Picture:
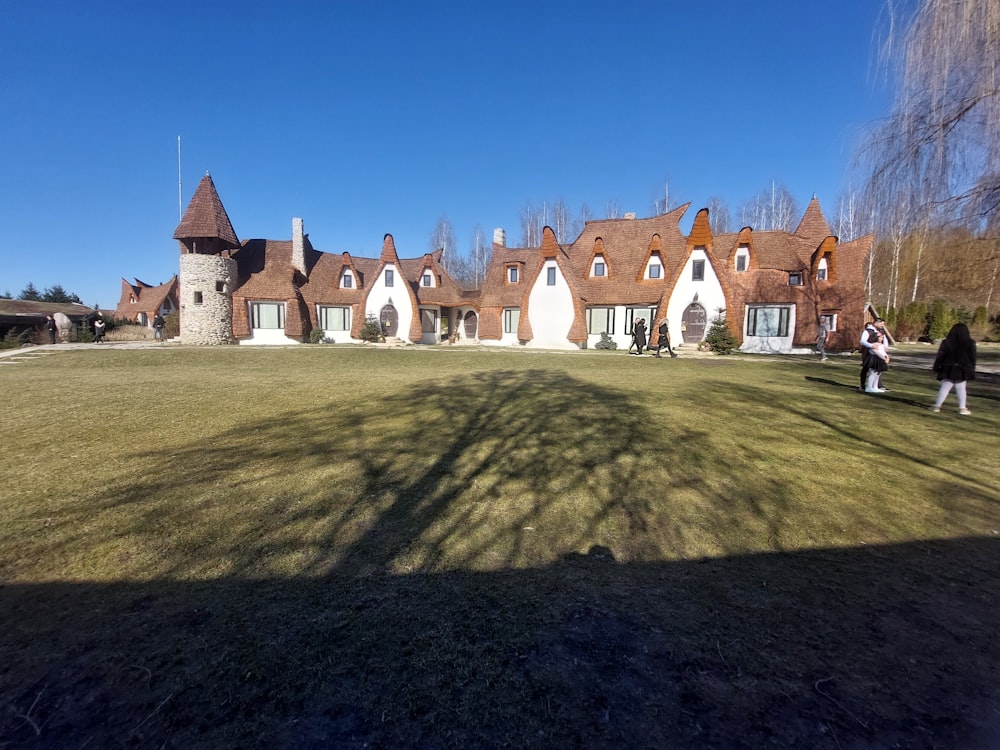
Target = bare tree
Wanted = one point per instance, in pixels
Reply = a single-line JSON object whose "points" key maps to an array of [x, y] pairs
{"points": [[443, 238], [773, 207], [718, 215], [531, 225], [481, 255], [612, 211], [938, 153], [560, 220]]}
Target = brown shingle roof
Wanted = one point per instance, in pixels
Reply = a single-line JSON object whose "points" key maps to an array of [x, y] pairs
{"points": [[813, 225], [205, 216]]}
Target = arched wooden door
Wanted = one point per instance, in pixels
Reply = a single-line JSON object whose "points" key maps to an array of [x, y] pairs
{"points": [[470, 325], [693, 323], [390, 320]]}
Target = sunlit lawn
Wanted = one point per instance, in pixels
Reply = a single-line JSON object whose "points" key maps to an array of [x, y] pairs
{"points": [[343, 547], [197, 463]]}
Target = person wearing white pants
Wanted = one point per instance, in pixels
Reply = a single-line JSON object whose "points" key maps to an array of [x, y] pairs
{"points": [[954, 365]]}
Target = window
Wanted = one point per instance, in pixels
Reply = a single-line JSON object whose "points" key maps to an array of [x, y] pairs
{"points": [[795, 278], [599, 268], [347, 280], [698, 270], [426, 280], [267, 314], [821, 270], [550, 276], [831, 321], [632, 314], [654, 270], [742, 258], [335, 318], [428, 321], [768, 321], [511, 317], [512, 274], [198, 299], [390, 277], [220, 286], [600, 320]]}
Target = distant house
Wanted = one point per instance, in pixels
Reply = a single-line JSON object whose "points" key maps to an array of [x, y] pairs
{"points": [[773, 286], [263, 291], [141, 303], [18, 316]]}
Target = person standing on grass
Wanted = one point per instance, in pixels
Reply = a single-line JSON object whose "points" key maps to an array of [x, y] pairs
{"points": [[821, 338], [638, 336], [954, 365], [158, 325], [866, 349], [879, 363]]}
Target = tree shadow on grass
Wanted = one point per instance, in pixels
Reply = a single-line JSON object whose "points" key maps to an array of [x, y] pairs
{"points": [[482, 565]]}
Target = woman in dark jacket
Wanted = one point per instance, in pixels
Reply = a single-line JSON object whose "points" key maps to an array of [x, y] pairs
{"points": [[954, 365]]}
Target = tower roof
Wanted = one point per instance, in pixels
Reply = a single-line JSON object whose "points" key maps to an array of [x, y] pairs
{"points": [[813, 225], [205, 216]]}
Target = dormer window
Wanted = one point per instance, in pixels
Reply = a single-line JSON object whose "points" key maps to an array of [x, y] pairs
{"points": [[822, 270], [795, 278], [511, 274], [347, 280], [426, 279], [742, 258], [599, 268], [654, 267]]}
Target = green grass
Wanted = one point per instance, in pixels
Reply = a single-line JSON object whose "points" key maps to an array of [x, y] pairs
{"points": [[415, 537]]}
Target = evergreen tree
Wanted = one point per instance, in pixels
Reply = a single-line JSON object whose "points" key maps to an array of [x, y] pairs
{"points": [[30, 294]]}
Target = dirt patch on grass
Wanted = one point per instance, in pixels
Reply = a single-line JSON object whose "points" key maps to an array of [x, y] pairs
{"points": [[861, 648]]}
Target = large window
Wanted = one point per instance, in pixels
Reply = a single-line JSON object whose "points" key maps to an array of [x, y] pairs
{"points": [[429, 321], [632, 314], [511, 317], [267, 314], [335, 318], [768, 321], [600, 320]]}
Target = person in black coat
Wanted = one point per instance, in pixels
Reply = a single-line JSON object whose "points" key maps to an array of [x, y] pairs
{"points": [[954, 365], [638, 336]]}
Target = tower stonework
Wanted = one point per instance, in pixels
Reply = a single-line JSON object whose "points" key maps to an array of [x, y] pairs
{"points": [[206, 292], [208, 272]]}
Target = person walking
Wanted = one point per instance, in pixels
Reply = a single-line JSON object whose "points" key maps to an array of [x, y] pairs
{"points": [[663, 338], [158, 325], [821, 335], [638, 336], [99, 330], [954, 365], [51, 327]]}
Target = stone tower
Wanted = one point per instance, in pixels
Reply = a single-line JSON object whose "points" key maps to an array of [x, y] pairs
{"points": [[208, 271]]}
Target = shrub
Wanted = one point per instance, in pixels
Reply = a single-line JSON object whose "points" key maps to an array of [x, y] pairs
{"points": [[979, 325], [942, 318], [317, 336], [129, 332], [84, 333], [911, 322], [372, 330], [172, 326], [719, 338], [606, 342], [15, 340]]}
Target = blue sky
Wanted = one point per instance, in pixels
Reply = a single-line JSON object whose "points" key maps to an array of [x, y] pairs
{"points": [[373, 118]]}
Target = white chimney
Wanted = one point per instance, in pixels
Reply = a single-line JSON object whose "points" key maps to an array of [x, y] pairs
{"points": [[630, 215], [500, 237], [298, 246]]}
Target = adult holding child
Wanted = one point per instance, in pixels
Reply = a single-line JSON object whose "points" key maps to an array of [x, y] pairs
{"points": [[954, 365]]}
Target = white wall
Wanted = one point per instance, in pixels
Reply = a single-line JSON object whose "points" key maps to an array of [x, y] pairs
{"points": [[380, 296], [709, 293], [550, 311]]}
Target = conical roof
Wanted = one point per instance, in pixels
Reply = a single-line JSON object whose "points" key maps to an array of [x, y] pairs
{"points": [[813, 225], [205, 216]]}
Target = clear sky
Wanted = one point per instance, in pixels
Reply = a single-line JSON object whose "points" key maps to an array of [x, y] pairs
{"points": [[367, 118]]}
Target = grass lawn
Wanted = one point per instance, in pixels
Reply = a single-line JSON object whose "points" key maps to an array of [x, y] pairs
{"points": [[352, 547]]}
